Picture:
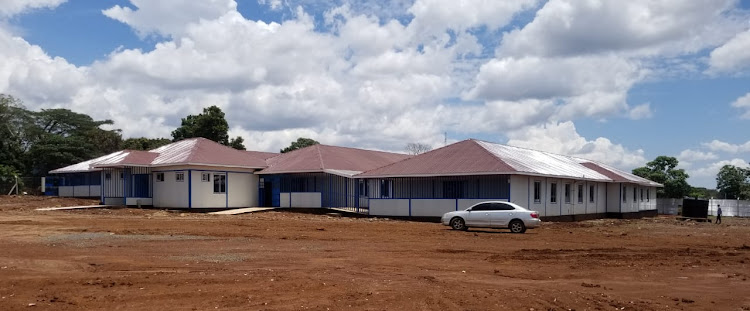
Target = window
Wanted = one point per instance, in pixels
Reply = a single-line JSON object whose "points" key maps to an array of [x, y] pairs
{"points": [[385, 188], [363, 187], [121, 175], [635, 194], [648, 195], [624, 194], [580, 193], [502, 207], [482, 207], [553, 193], [220, 183], [537, 191], [592, 191], [107, 176], [159, 176], [567, 193], [179, 176], [206, 177], [641, 194]]}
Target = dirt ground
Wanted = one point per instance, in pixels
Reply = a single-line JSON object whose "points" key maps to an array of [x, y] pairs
{"points": [[133, 259]]}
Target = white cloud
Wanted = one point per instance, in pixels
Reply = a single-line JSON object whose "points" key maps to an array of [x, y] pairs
{"points": [[721, 146], [273, 4], [13, 7], [642, 111], [28, 73], [587, 86], [168, 17], [571, 27], [435, 16], [710, 171], [733, 56], [689, 155], [743, 103], [562, 138], [370, 81]]}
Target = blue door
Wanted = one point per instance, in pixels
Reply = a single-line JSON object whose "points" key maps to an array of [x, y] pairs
{"points": [[141, 185]]}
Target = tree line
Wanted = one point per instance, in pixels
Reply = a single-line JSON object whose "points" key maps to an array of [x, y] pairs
{"points": [[34, 142], [731, 182]]}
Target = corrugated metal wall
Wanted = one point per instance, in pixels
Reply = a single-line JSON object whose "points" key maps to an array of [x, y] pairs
{"points": [[132, 181], [453, 187], [338, 191]]}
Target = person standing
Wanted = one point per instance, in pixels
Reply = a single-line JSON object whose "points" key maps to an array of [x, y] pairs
{"points": [[718, 214]]}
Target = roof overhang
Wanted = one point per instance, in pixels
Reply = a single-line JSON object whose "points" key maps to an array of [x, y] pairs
{"points": [[207, 164]]}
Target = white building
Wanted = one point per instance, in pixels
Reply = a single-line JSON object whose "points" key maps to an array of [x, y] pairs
{"points": [[199, 173]]}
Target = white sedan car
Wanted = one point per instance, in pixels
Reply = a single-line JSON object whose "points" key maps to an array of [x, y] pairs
{"points": [[493, 214]]}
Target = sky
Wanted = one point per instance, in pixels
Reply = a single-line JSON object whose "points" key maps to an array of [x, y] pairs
{"points": [[620, 82]]}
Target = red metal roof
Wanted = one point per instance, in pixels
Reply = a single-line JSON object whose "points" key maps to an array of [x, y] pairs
{"points": [[202, 151], [262, 155], [473, 157], [131, 158], [319, 158], [464, 157]]}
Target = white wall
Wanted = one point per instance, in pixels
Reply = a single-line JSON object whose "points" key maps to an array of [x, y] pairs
{"points": [[241, 188], [142, 201], [112, 187], [432, 207], [170, 193], [95, 190], [521, 190], [389, 207], [614, 197], [65, 191], [79, 191], [301, 199]]}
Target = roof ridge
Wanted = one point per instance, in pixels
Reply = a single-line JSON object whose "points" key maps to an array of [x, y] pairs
{"points": [[320, 157], [412, 157], [530, 149], [479, 143], [361, 149]]}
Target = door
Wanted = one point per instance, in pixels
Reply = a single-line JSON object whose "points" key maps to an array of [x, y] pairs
{"points": [[141, 185], [501, 215], [267, 194], [479, 215]]}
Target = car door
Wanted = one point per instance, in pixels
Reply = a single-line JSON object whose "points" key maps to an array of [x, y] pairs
{"points": [[479, 216], [501, 215]]}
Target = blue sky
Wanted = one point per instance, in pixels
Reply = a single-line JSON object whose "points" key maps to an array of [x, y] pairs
{"points": [[596, 80]]}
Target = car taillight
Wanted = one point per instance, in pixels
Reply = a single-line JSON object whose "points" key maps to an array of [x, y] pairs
{"points": [[534, 215]]}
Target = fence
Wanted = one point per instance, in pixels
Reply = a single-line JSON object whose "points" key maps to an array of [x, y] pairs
{"points": [[736, 208], [30, 185]]}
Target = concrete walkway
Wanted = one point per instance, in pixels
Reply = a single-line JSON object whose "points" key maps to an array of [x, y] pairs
{"points": [[69, 207], [241, 210], [361, 211]]}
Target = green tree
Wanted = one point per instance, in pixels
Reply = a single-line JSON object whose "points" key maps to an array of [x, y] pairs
{"points": [[237, 143], [301, 142], [210, 124], [143, 143], [731, 181], [56, 151], [13, 120], [663, 170], [703, 193]]}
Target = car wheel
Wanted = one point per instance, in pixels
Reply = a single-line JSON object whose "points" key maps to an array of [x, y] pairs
{"points": [[517, 226], [457, 223]]}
